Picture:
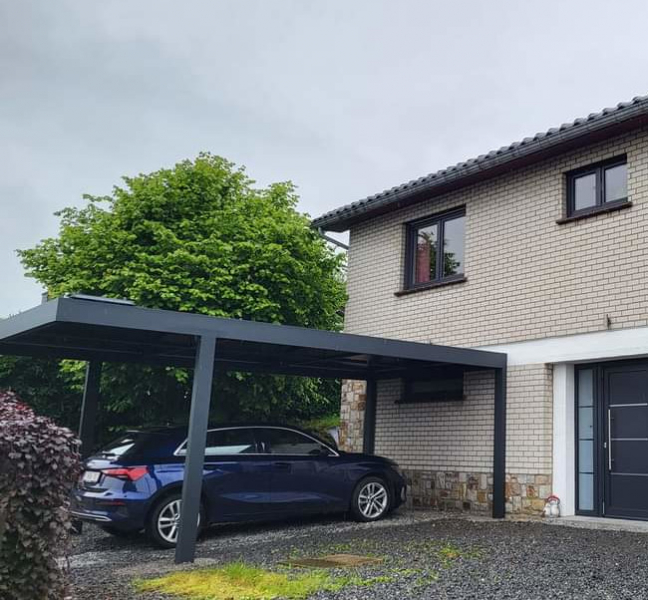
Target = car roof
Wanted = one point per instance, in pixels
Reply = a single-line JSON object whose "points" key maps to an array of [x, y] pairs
{"points": [[181, 431]]}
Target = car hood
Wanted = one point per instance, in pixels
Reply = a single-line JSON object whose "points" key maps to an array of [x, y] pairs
{"points": [[369, 457]]}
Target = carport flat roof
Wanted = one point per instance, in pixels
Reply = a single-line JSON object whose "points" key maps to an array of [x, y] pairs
{"points": [[102, 330]]}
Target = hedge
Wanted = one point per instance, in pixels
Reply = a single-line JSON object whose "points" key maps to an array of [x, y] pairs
{"points": [[39, 464]]}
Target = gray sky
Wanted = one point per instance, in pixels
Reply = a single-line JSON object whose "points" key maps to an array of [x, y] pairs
{"points": [[344, 97]]}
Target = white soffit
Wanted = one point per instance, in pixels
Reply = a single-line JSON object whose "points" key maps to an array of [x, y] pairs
{"points": [[615, 344]]}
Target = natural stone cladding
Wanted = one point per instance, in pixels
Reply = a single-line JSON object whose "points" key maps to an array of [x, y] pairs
{"points": [[352, 415], [454, 490]]}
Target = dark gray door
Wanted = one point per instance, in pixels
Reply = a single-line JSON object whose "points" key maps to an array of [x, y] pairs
{"points": [[625, 432]]}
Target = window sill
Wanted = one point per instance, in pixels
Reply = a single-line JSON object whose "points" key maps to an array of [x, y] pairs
{"points": [[430, 286], [598, 210]]}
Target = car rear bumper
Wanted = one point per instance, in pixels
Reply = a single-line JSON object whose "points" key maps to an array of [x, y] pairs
{"points": [[127, 515], [88, 516]]}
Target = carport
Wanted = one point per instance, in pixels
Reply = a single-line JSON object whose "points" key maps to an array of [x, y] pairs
{"points": [[98, 330]]}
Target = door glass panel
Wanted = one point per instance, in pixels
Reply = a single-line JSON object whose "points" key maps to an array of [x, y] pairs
{"points": [[586, 456], [585, 191], [586, 491], [585, 388], [616, 183], [585, 439], [426, 251], [586, 423], [453, 246]]}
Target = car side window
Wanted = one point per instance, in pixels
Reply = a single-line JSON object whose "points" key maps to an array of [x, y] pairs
{"points": [[227, 442], [286, 442], [230, 441]]}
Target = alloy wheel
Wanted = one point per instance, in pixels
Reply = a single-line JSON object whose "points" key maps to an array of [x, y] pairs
{"points": [[168, 522], [373, 499]]}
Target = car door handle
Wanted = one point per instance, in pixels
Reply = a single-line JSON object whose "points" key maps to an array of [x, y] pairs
{"points": [[282, 466]]}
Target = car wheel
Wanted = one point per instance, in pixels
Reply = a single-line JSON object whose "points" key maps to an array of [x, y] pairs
{"points": [[371, 500], [120, 533], [163, 521]]}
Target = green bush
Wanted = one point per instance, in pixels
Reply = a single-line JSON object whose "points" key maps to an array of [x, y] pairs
{"points": [[39, 463]]}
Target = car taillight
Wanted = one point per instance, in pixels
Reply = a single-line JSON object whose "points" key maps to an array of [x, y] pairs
{"points": [[127, 473]]}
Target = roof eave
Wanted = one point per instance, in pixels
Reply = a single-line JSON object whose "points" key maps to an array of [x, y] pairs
{"points": [[525, 153]]}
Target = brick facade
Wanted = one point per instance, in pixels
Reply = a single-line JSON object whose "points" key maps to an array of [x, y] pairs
{"points": [[528, 278], [446, 448]]}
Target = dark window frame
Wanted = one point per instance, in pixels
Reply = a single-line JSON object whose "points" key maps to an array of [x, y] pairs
{"points": [[411, 232], [598, 170]]}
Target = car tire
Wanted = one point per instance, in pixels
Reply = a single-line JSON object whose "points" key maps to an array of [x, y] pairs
{"points": [[163, 521], [371, 500], [119, 533]]}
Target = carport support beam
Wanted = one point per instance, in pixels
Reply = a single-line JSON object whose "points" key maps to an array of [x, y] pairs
{"points": [[89, 407], [499, 446], [369, 427], [193, 473]]}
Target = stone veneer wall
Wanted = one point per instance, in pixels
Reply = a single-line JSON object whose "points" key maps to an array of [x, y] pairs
{"points": [[456, 490], [446, 448], [352, 415]]}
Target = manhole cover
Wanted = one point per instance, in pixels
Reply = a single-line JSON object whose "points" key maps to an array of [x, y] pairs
{"points": [[333, 561]]}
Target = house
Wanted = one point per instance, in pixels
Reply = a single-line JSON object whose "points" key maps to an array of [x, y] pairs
{"points": [[538, 250]]}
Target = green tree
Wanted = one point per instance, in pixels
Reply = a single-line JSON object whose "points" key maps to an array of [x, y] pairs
{"points": [[200, 238]]}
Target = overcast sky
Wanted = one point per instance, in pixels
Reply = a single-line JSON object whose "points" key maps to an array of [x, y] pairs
{"points": [[343, 97]]}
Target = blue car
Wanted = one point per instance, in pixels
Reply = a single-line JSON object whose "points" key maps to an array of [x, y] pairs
{"points": [[251, 472]]}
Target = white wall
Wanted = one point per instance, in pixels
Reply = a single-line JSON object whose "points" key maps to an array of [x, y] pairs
{"points": [[563, 438]]}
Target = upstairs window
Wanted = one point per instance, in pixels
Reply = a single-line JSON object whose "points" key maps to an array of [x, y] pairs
{"points": [[597, 187], [435, 249]]}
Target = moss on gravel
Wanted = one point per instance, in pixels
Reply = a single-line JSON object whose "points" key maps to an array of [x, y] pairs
{"points": [[239, 581]]}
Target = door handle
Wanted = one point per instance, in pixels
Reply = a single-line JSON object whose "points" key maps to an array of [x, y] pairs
{"points": [[282, 466], [609, 440]]}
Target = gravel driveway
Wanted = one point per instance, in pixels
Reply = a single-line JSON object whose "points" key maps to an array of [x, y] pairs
{"points": [[424, 556]]}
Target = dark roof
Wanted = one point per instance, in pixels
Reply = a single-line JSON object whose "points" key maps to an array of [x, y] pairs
{"points": [[594, 127], [83, 329]]}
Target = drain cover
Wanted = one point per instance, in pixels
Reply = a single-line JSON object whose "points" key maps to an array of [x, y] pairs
{"points": [[334, 561]]}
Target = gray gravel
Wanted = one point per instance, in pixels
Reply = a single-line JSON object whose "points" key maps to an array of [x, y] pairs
{"points": [[425, 556]]}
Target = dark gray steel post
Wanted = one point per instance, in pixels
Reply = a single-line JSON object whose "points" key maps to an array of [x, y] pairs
{"points": [[369, 428], [198, 418], [499, 446], [89, 408]]}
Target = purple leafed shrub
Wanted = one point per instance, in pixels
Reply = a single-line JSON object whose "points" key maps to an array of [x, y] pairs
{"points": [[39, 463]]}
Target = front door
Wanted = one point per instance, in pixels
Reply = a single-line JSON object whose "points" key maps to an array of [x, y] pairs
{"points": [[625, 440]]}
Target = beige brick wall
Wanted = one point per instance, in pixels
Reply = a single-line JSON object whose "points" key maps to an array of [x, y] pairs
{"points": [[458, 436], [441, 436], [446, 448], [528, 277]]}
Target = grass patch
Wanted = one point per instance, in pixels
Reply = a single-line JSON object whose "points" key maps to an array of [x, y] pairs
{"points": [[238, 581]]}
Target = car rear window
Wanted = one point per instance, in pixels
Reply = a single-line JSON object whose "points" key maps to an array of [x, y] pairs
{"points": [[134, 443]]}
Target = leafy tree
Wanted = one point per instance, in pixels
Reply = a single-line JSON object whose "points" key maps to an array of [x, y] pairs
{"points": [[48, 389], [200, 238]]}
